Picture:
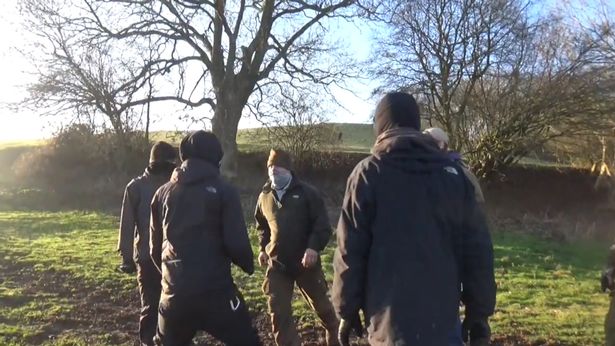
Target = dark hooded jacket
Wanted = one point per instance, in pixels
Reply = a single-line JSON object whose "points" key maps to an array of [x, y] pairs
{"points": [[197, 227], [133, 240], [288, 227], [409, 236]]}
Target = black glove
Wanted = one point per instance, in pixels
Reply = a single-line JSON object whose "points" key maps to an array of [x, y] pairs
{"points": [[606, 281], [348, 325], [127, 267], [477, 331]]}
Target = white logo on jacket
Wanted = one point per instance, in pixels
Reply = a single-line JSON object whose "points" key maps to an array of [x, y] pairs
{"points": [[451, 170]]}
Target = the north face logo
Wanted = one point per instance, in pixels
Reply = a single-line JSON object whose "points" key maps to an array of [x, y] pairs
{"points": [[211, 189], [451, 170]]}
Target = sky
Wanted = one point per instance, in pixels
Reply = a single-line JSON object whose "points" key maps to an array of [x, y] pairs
{"points": [[16, 73], [356, 106]]}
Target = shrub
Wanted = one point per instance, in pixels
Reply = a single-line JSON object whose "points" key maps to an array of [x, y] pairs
{"points": [[83, 168]]}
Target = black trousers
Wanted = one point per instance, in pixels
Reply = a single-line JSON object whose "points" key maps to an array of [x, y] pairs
{"points": [[148, 279], [222, 314]]}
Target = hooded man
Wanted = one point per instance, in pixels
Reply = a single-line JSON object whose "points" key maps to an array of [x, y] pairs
{"points": [[197, 231], [293, 228], [410, 234], [133, 243]]}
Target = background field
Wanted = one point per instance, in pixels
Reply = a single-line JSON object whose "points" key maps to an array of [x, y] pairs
{"points": [[59, 284], [59, 280]]}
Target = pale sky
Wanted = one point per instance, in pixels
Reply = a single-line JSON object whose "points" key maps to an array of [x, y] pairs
{"points": [[356, 107], [22, 125]]}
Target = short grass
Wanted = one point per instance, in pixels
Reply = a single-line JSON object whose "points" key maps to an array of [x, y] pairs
{"points": [[548, 292], [354, 138], [24, 143]]}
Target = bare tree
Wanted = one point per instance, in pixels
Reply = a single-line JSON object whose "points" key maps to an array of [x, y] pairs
{"points": [[297, 123], [84, 78], [228, 54], [439, 49], [499, 83]]}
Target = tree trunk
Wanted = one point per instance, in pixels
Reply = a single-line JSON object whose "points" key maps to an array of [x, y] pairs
{"points": [[224, 126]]}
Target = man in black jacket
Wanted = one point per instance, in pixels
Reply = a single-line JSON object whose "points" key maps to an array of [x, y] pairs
{"points": [[410, 234], [133, 242], [197, 231]]}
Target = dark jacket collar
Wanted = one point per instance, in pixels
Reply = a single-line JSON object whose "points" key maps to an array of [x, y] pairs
{"points": [[163, 170], [193, 171], [405, 139], [409, 150]]}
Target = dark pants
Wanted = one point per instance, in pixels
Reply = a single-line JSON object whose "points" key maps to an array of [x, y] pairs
{"points": [[455, 337], [148, 278], [279, 287], [223, 315]]}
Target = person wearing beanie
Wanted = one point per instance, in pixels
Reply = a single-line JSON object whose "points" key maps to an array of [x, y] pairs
{"points": [[410, 234], [133, 243], [197, 230], [293, 228], [441, 138]]}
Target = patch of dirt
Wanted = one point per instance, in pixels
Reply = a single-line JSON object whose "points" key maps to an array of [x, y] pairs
{"points": [[518, 340], [99, 312]]}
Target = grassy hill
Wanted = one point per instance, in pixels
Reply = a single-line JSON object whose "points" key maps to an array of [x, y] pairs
{"points": [[354, 138]]}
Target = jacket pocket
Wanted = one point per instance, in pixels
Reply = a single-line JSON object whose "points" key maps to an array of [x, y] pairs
{"points": [[172, 274]]}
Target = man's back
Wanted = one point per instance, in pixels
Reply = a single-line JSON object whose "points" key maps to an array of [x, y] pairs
{"points": [[202, 230], [407, 224]]}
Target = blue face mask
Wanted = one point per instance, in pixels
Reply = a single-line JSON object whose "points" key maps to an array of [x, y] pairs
{"points": [[280, 180]]}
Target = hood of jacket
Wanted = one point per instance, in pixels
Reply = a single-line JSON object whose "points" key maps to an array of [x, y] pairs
{"points": [[193, 171], [409, 150]]}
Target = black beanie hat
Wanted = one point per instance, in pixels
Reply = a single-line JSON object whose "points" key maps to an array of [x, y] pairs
{"points": [[201, 145], [162, 152], [396, 110]]}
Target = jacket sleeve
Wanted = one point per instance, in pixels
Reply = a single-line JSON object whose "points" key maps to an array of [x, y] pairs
{"points": [[478, 192], [155, 232], [235, 233], [479, 287], [262, 226], [353, 246], [126, 235], [321, 228]]}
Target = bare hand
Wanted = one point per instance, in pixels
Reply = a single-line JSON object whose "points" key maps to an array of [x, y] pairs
{"points": [[263, 258], [309, 258]]}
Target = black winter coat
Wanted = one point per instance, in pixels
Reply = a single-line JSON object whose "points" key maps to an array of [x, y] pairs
{"points": [[133, 240], [197, 230], [409, 236]]}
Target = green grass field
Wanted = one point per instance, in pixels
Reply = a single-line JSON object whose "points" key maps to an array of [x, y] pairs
{"points": [[59, 285], [355, 138]]}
